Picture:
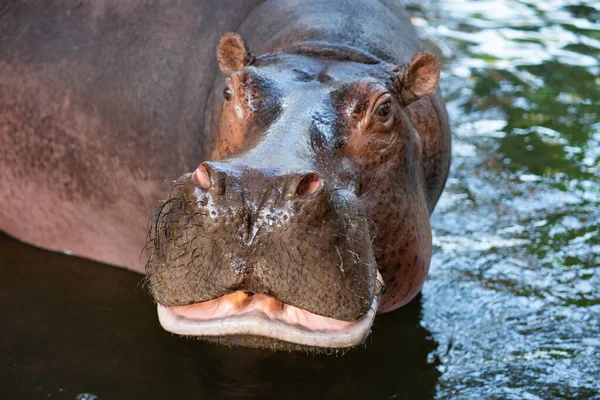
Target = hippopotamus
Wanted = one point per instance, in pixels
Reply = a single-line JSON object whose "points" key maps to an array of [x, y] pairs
{"points": [[305, 144]]}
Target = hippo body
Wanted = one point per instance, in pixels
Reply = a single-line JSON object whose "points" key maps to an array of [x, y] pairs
{"points": [[322, 140], [101, 103]]}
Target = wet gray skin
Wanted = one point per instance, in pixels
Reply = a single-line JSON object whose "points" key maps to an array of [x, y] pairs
{"points": [[257, 228]]}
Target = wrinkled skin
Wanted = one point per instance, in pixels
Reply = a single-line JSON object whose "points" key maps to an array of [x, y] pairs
{"points": [[329, 148]]}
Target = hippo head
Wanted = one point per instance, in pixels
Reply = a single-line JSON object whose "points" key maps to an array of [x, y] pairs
{"points": [[316, 199]]}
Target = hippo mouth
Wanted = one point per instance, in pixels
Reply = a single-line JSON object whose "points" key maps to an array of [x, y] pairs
{"points": [[241, 314], [282, 273]]}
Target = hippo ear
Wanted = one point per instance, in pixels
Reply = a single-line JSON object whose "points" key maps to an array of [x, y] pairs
{"points": [[419, 77], [233, 54]]}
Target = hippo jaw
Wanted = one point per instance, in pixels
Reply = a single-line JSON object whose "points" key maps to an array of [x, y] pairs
{"points": [[256, 315]]}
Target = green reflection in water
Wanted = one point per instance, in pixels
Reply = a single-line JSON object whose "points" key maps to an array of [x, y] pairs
{"points": [[564, 105], [513, 297]]}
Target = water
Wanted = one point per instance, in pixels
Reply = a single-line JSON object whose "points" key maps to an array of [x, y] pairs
{"points": [[513, 297], [511, 309]]}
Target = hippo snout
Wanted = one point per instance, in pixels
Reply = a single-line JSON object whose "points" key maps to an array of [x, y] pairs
{"points": [[283, 234]]}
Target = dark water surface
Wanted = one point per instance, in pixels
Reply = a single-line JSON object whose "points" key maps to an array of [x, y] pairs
{"points": [[72, 327], [512, 306]]}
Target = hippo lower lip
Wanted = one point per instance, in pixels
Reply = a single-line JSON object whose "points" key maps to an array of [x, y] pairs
{"points": [[260, 315]]}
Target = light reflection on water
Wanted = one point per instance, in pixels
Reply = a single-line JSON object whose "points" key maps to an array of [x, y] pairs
{"points": [[513, 295]]}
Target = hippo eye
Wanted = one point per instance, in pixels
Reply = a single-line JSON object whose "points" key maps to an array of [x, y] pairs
{"points": [[384, 109], [227, 94]]}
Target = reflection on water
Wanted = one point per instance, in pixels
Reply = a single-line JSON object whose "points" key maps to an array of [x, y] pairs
{"points": [[513, 297]]}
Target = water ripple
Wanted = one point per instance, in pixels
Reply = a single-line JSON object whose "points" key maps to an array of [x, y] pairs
{"points": [[513, 296]]}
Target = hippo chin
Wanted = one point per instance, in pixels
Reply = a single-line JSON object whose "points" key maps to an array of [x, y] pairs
{"points": [[320, 149]]}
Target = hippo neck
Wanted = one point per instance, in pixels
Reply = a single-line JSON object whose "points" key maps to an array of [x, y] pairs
{"points": [[379, 28]]}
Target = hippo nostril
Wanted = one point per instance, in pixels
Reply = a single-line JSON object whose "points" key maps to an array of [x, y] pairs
{"points": [[309, 184], [201, 177]]}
